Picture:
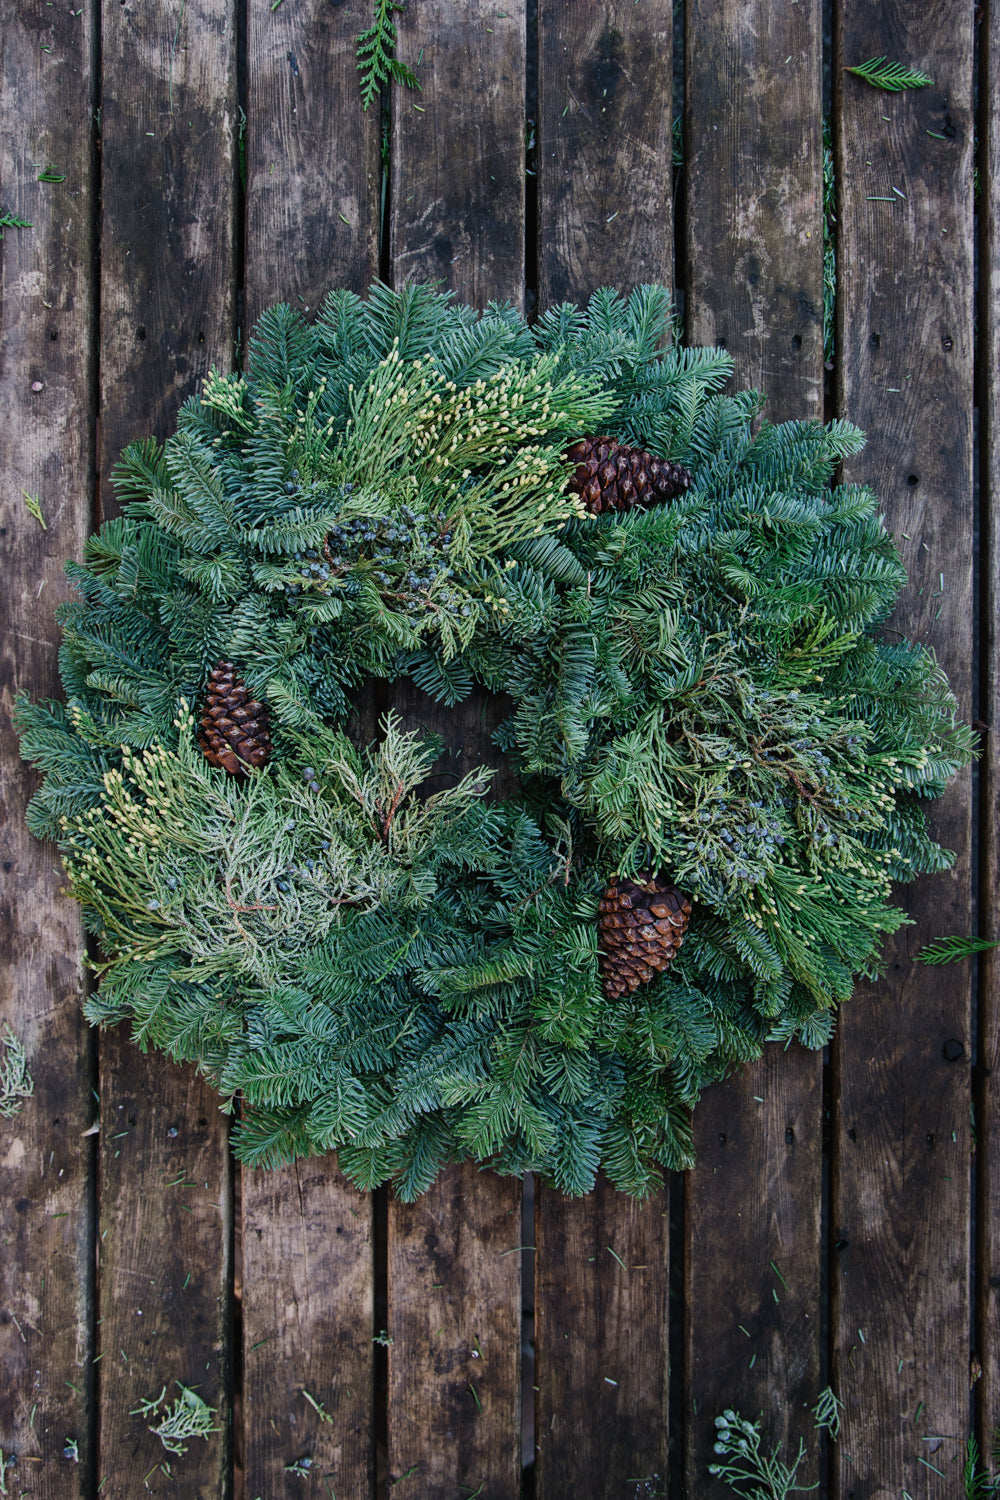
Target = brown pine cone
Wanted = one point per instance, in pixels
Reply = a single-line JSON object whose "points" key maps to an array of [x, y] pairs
{"points": [[235, 731], [611, 476], [642, 924]]}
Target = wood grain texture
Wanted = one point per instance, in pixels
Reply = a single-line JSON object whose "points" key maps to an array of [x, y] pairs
{"points": [[753, 175], [46, 450], [458, 149], [900, 1179], [308, 1326], [168, 119], [753, 172], [167, 314], [308, 1260], [600, 1345], [455, 1324], [604, 147], [312, 219], [988, 1104], [752, 1271], [165, 1228]]}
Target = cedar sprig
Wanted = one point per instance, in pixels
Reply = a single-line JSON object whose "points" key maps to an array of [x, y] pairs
{"points": [[15, 1081], [749, 1470], [893, 77], [376, 54], [186, 1417]]}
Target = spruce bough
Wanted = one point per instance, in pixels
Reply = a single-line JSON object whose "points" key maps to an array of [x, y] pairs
{"points": [[698, 689]]}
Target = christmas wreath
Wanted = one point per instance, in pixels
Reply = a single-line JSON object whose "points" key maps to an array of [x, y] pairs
{"points": [[720, 765]]}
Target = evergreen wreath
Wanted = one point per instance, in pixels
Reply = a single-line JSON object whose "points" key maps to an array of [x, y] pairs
{"points": [[712, 743]]}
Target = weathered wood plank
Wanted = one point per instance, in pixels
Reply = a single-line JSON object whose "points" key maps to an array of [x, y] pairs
{"points": [[168, 272], [165, 1225], [988, 1142], [308, 1294], [312, 156], [308, 1260], [754, 281], [457, 195], [458, 150], [46, 450], [754, 181], [604, 147], [900, 1179], [752, 1315], [167, 312], [455, 1326], [601, 1348], [604, 218]]}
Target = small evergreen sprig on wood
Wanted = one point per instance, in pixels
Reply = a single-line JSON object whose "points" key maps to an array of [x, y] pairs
{"points": [[15, 1081], [376, 54], [698, 688], [952, 950], [752, 1472], [188, 1416], [11, 221], [893, 77]]}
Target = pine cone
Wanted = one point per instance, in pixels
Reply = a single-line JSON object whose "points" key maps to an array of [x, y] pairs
{"points": [[235, 730], [642, 924], [610, 476]]}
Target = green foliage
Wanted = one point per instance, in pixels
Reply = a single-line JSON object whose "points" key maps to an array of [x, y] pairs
{"points": [[952, 950], [376, 54], [186, 1417], [892, 76], [701, 688], [752, 1472], [11, 221], [15, 1080], [978, 1483], [33, 506], [826, 1413]]}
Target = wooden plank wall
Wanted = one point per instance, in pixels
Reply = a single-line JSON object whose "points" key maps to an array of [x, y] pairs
{"points": [[900, 1134], [47, 412], [827, 1232]]}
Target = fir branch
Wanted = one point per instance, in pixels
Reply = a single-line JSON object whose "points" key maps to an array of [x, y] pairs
{"points": [[952, 950], [11, 221], [892, 76], [376, 54]]}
